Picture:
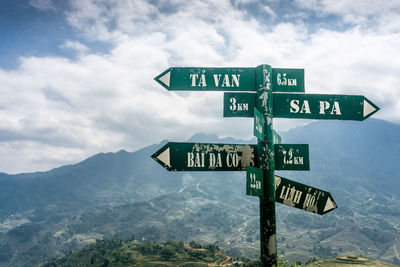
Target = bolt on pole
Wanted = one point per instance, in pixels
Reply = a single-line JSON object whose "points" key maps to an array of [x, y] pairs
{"points": [[265, 149]]}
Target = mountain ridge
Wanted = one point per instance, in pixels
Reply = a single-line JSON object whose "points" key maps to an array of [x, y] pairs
{"points": [[56, 210]]}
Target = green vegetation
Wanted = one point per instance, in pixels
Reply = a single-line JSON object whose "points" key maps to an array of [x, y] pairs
{"points": [[115, 252]]}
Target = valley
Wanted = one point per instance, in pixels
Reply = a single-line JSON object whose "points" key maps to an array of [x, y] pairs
{"points": [[127, 194]]}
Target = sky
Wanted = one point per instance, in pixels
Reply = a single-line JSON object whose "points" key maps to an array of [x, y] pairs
{"points": [[77, 76]]}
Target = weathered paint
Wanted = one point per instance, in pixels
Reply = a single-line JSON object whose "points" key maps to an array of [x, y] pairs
{"points": [[292, 157], [265, 149], [206, 157], [303, 197], [254, 182], [259, 122]]}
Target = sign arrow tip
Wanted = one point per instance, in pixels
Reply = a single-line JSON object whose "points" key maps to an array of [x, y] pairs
{"points": [[329, 205], [164, 78], [369, 108], [164, 157]]}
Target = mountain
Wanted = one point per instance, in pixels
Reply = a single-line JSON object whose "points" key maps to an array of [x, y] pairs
{"points": [[46, 214]]}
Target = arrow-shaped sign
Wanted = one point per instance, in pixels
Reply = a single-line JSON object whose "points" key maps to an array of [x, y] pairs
{"points": [[228, 79], [227, 157], [206, 157], [303, 197], [303, 106], [208, 79], [318, 106]]}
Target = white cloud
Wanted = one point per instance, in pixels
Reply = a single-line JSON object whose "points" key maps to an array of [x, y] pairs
{"points": [[44, 5], [75, 45], [355, 11], [64, 110]]}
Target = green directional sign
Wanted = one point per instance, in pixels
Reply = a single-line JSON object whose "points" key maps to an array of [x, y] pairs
{"points": [[228, 79], [277, 139], [318, 106], [259, 122], [292, 157], [287, 80], [206, 157], [254, 182], [239, 104], [227, 157], [303, 197], [208, 79]]}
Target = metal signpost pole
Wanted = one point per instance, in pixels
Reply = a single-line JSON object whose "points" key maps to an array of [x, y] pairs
{"points": [[265, 149]]}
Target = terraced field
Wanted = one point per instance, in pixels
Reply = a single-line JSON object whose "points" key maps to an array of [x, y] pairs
{"points": [[349, 261]]}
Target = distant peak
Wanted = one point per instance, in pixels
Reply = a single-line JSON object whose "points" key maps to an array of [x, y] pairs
{"points": [[203, 137]]}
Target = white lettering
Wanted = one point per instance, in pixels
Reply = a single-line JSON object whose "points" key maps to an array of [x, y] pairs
{"points": [[212, 160], [336, 108], [294, 106], [310, 200], [282, 195], [235, 80], [305, 108], [258, 184], [232, 160], [202, 81], [194, 77], [219, 161], [225, 82], [298, 160], [288, 160], [197, 160], [217, 77], [292, 82], [323, 105], [233, 104], [297, 196], [190, 161]]}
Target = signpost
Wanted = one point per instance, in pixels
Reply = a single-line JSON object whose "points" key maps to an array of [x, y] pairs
{"points": [[239, 104], [303, 197], [326, 107], [259, 123], [254, 182], [292, 157], [276, 137], [272, 93], [206, 157], [228, 157], [227, 79], [288, 80]]}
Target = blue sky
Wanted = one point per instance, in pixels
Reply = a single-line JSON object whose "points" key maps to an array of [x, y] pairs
{"points": [[76, 77]]}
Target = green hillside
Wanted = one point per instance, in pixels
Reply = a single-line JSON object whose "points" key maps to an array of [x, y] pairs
{"points": [[351, 261], [115, 252], [46, 214]]}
